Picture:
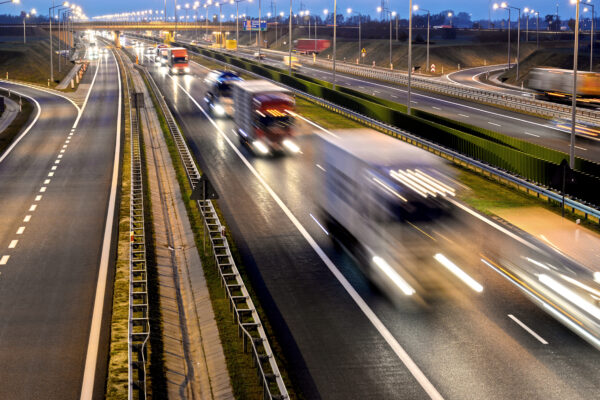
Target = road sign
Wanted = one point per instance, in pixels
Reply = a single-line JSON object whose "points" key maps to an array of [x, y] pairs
{"points": [[432, 67], [204, 188], [253, 25]]}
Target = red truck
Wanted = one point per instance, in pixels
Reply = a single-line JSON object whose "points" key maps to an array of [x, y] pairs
{"points": [[177, 60], [310, 46], [264, 116]]}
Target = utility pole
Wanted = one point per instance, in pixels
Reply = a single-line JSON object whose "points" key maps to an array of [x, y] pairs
{"points": [[574, 94]]}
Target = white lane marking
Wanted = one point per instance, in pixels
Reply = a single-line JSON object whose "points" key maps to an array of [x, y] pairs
{"points": [[65, 146], [13, 244], [27, 218], [437, 108], [376, 91], [463, 115], [47, 181], [62, 150], [33, 207], [531, 134], [493, 224], [20, 230], [41, 90], [492, 123], [318, 223], [43, 189], [364, 307], [53, 168], [412, 101], [580, 148], [87, 386], [50, 174], [22, 135], [38, 197], [321, 168], [394, 96], [4, 260], [60, 156], [57, 162], [528, 329], [67, 141]]}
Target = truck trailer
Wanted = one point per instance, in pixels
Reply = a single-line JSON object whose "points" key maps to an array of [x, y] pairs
{"points": [[372, 191], [310, 46], [218, 96], [264, 116], [557, 85]]}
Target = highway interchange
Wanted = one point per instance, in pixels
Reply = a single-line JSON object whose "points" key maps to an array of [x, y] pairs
{"points": [[335, 327], [341, 336], [57, 190]]}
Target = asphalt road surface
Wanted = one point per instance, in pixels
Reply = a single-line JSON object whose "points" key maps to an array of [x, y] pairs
{"points": [[342, 337], [54, 191]]}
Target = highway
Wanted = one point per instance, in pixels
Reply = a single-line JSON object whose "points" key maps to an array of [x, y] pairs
{"points": [[342, 337], [57, 190], [525, 127], [471, 77]]}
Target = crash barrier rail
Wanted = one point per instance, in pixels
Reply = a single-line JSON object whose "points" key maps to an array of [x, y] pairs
{"points": [[250, 327], [479, 146], [519, 103], [138, 320]]}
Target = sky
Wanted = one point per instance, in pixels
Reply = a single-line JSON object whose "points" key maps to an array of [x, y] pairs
{"points": [[479, 9]]}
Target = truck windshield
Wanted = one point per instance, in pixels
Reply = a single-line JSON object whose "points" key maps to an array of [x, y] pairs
{"points": [[180, 60]]}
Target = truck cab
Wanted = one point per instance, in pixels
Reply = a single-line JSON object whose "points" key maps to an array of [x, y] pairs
{"points": [[178, 61], [264, 117]]}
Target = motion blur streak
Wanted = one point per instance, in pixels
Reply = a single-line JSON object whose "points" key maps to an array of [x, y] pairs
{"points": [[472, 283], [393, 275], [570, 295]]}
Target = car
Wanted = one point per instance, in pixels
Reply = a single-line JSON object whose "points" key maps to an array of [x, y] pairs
{"points": [[259, 56]]}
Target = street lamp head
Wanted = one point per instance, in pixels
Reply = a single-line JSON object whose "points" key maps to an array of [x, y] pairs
{"points": [[503, 4], [281, 14], [16, 1], [349, 10], [379, 9], [415, 8], [526, 9], [393, 13], [268, 15], [33, 11], [450, 14], [187, 5], [585, 9], [325, 11], [495, 7]]}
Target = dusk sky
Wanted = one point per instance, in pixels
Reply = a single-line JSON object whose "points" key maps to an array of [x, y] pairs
{"points": [[478, 10]]}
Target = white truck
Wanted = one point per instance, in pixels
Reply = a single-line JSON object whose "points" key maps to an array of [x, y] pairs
{"points": [[372, 189], [264, 116]]}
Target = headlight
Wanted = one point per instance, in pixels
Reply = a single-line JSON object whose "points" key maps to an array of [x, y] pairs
{"points": [[260, 146], [187, 70], [219, 110], [291, 146], [173, 70]]}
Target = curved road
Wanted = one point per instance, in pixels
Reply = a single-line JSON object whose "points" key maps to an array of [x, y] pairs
{"points": [[54, 191]]}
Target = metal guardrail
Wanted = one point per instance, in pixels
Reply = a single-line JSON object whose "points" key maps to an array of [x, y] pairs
{"points": [[504, 176], [138, 326], [250, 327]]}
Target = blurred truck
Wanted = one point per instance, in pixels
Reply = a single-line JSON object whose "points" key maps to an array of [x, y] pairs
{"points": [[295, 63], [373, 191], [218, 96], [177, 60], [557, 85], [264, 116], [310, 46]]}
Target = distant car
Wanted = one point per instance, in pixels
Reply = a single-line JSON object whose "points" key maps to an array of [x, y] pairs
{"points": [[259, 55], [193, 43]]}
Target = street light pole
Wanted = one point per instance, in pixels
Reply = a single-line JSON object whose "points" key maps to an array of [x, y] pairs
{"points": [[416, 8], [525, 12], [259, 29], [574, 94], [591, 34], [349, 11], [290, 41], [410, 10], [334, 38]]}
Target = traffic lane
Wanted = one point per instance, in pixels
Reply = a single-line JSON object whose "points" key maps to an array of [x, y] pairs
{"points": [[279, 172], [327, 340], [26, 164], [470, 77], [520, 126], [48, 286]]}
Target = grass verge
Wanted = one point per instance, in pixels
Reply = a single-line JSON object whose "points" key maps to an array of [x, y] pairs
{"points": [[17, 125], [240, 365], [117, 377]]}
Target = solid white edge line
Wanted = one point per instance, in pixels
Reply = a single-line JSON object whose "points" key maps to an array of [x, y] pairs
{"points": [[41, 90], [89, 374], [22, 135], [528, 329], [364, 307]]}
